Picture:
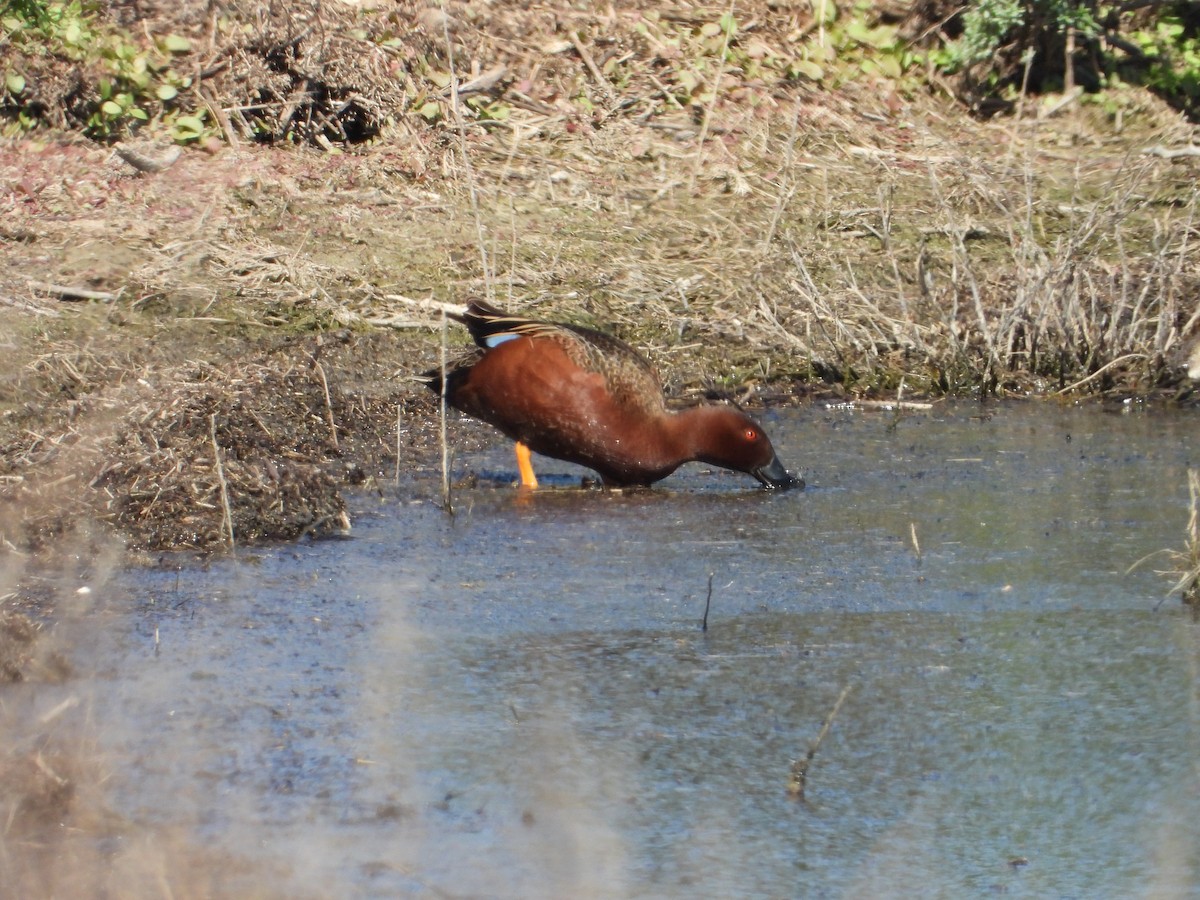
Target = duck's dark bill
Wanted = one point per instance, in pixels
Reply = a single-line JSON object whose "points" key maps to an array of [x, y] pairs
{"points": [[773, 475]]}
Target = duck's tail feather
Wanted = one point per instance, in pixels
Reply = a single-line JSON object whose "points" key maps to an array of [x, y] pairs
{"points": [[455, 370], [491, 326]]}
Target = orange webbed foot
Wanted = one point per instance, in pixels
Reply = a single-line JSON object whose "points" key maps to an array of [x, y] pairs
{"points": [[525, 466]]}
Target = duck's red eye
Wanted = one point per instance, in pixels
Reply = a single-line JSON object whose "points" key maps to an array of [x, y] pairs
{"points": [[750, 434]]}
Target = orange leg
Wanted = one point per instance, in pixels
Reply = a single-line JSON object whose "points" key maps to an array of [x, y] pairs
{"points": [[525, 466]]}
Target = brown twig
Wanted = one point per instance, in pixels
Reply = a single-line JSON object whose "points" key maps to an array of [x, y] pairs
{"points": [[442, 437], [799, 778], [144, 162], [328, 405], [1173, 152], [593, 70], [1100, 371], [225, 508], [69, 292], [480, 83], [712, 102], [222, 117]]}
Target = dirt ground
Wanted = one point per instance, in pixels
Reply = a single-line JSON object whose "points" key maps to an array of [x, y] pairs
{"points": [[225, 347]]}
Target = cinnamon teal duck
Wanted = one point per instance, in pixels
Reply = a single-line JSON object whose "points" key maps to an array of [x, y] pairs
{"points": [[581, 395]]}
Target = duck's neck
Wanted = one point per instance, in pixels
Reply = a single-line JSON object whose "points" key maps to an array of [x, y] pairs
{"points": [[689, 432]]}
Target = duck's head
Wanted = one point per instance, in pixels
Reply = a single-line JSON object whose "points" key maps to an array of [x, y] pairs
{"points": [[726, 437]]}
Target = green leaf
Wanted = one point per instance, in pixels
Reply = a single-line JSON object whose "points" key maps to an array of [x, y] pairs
{"points": [[176, 43], [189, 125], [883, 36], [14, 82], [857, 30], [497, 112], [111, 109], [890, 66], [140, 114], [807, 69], [166, 92]]}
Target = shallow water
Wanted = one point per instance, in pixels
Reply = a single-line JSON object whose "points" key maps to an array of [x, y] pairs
{"points": [[520, 702]]}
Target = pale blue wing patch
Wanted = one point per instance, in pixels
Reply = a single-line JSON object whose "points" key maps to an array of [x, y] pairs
{"points": [[495, 340]]}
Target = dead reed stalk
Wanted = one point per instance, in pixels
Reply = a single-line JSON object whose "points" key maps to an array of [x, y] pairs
{"points": [[712, 102], [799, 777], [226, 511], [443, 439], [333, 437], [1188, 559], [1184, 567], [468, 171]]}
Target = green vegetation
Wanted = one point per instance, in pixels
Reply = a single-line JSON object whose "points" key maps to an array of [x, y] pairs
{"points": [[1172, 52], [124, 82], [1002, 46], [832, 50], [996, 49]]}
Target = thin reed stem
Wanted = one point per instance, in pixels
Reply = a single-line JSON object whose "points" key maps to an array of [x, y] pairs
{"points": [[328, 406], [468, 171], [399, 425], [442, 434], [799, 779], [227, 512], [712, 102]]}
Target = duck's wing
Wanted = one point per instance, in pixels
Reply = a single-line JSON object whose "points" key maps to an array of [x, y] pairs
{"points": [[630, 377], [490, 326]]}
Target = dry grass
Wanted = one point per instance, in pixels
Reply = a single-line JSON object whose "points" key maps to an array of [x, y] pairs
{"points": [[819, 251], [18, 645], [138, 453]]}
